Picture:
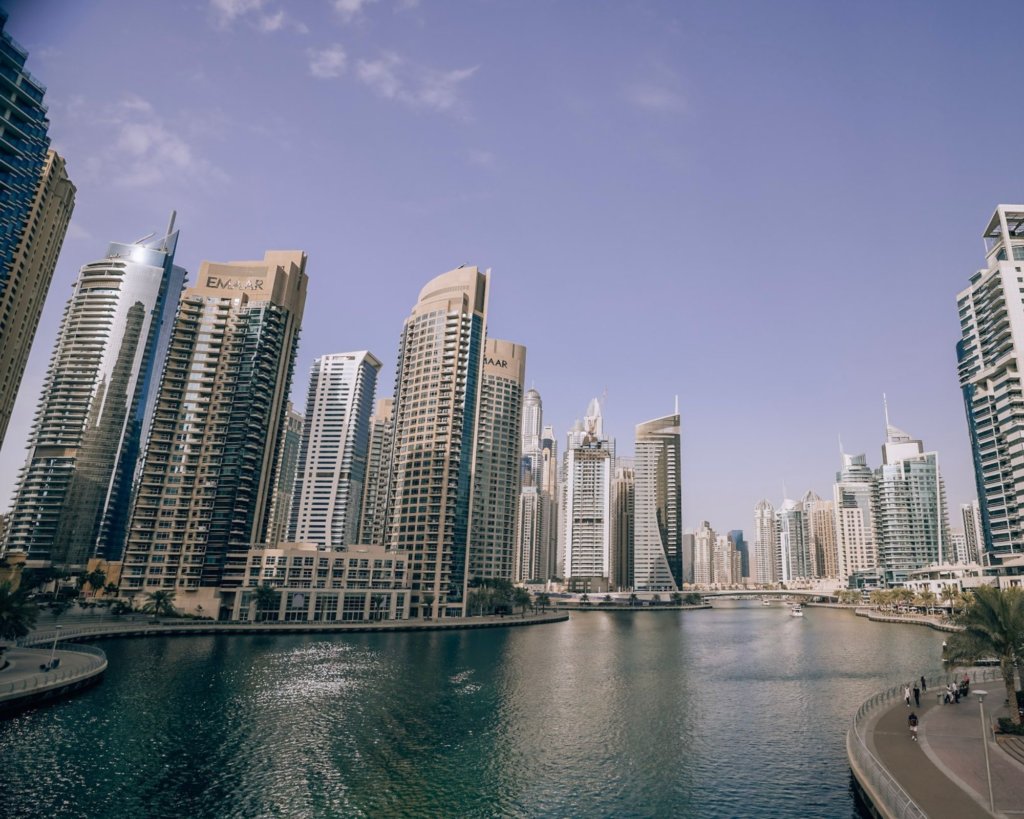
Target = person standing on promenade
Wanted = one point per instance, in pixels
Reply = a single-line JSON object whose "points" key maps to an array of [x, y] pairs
{"points": [[917, 696], [906, 695], [912, 722], [924, 685]]}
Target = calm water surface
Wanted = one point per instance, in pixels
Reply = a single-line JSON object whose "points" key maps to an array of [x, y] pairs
{"points": [[735, 712]]}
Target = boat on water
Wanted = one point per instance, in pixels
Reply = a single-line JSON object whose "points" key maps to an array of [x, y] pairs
{"points": [[765, 601], [796, 611]]}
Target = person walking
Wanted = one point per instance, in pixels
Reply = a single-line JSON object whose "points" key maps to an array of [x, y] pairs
{"points": [[912, 723], [917, 696], [906, 695], [924, 685]]}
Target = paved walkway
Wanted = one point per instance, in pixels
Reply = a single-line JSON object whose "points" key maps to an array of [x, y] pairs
{"points": [[944, 772], [23, 673]]}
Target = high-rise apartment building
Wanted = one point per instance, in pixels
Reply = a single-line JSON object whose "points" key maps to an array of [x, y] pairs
{"points": [[766, 544], [974, 535], [378, 471], [726, 563], [623, 525], [704, 540], [284, 477], [853, 495], [533, 420], [551, 495], [74, 492], [29, 274], [331, 474], [207, 479], [36, 200], [793, 557], [586, 502], [689, 544], [911, 522], [437, 388], [742, 549], [529, 529], [820, 519], [496, 475], [537, 526], [658, 540], [990, 360]]}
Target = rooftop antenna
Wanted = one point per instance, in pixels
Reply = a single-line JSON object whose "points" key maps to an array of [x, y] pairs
{"points": [[841, 452], [677, 405], [885, 408]]}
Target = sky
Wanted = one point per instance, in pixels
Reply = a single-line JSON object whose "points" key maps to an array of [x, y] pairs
{"points": [[766, 209]]}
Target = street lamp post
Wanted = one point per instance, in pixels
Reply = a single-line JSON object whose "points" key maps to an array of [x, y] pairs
{"points": [[984, 742], [53, 649]]}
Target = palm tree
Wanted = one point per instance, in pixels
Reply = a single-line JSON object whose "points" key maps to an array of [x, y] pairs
{"points": [[585, 599], [926, 599], [949, 594], [879, 598], [993, 627], [111, 589], [677, 599], [428, 605], [160, 603], [633, 599], [521, 598], [17, 613], [656, 598], [543, 601], [266, 597]]}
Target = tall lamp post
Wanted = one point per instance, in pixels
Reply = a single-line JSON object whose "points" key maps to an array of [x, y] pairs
{"points": [[53, 649], [984, 742]]}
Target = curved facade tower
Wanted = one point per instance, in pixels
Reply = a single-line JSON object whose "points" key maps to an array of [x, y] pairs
{"points": [[437, 390], [74, 491], [658, 526], [331, 473]]}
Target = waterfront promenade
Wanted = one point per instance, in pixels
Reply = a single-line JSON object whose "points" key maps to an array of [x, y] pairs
{"points": [[943, 773], [25, 681], [86, 629]]}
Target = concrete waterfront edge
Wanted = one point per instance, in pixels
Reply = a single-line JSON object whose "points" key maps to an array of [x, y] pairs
{"points": [[46, 686]]}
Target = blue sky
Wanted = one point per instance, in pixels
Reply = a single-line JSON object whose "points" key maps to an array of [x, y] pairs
{"points": [[765, 208]]}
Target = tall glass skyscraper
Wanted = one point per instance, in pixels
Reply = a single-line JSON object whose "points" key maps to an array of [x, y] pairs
{"points": [[437, 390], [74, 492], [36, 201], [332, 463], [853, 495], [284, 476], [990, 360], [207, 478], [658, 528], [378, 472]]}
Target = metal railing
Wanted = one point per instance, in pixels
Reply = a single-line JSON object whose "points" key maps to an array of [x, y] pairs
{"points": [[49, 679], [895, 800]]}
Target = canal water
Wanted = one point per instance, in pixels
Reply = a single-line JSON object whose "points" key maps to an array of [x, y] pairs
{"points": [[739, 711]]}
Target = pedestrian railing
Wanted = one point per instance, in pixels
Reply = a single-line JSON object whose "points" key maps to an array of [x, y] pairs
{"points": [[895, 800], [96, 662]]}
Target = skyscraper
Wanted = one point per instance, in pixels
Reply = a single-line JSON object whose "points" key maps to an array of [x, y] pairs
{"points": [[378, 471], [533, 419], [287, 464], [623, 525], [990, 356], [496, 480], [766, 538], [29, 275], [910, 513], [331, 473], [742, 549], [974, 536], [551, 495], [74, 492], [529, 530], [586, 506], [704, 554], [36, 200], [207, 478], [853, 494], [658, 543], [793, 558], [437, 388], [820, 519]]}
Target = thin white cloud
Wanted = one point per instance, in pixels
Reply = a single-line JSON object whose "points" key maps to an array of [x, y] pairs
{"points": [[349, 10], [145, 151], [393, 77], [327, 62], [482, 159], [226, 12], [658, 98], [77, 232]]}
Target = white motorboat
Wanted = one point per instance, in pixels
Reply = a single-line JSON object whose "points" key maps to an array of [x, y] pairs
{"points": [[796, 611], [765, 601]]}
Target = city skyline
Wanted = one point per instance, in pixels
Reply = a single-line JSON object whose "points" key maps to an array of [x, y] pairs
{"points": [[844, 324]]}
